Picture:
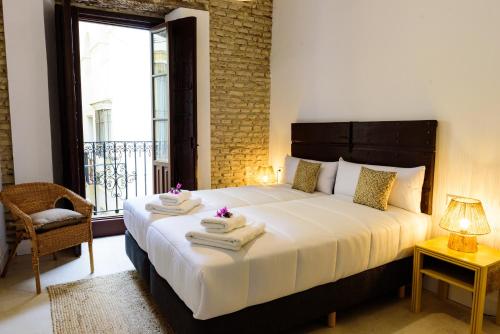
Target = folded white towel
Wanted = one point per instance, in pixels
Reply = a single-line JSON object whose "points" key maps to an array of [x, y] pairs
{"points": [[157, 206], [233, 240], [222, 224], [175, 199]]}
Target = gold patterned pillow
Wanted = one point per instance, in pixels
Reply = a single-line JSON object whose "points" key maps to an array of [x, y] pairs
{"points": [[374, 188], [306, 176]]}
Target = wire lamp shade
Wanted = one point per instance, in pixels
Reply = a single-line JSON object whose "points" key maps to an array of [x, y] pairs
{"points": [[465, 216]]}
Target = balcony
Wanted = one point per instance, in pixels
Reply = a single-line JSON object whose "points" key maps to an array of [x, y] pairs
{"points": [[116, 171]]}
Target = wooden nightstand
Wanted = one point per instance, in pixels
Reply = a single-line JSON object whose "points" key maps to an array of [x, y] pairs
{"points": [[478, 273]]}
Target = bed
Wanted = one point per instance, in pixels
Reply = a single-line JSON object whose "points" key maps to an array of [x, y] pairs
{"points": [[137, 219], [307, 243], [307, 258]]}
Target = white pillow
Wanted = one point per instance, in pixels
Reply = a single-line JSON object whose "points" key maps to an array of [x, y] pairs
{"points": [[291, 164], [326, 177], [406, 192]]}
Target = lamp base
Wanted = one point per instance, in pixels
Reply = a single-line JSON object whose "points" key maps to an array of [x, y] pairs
{"points": [[462, 243]]}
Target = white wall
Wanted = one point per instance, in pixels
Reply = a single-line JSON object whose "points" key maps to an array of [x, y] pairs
{"points": [[203, 90], [28, 89], [360, 60], [29, 103]]}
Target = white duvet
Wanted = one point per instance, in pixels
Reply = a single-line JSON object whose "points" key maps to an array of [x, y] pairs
{"points": [[137, 219], [307, 243]]}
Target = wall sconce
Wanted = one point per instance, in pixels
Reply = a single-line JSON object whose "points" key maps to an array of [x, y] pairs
{"points": [[265, 175]]}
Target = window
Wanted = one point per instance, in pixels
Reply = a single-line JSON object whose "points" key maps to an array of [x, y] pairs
{"points": [[160, 94], [103, 124]]}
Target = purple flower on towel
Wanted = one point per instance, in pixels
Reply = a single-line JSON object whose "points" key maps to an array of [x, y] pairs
{"points": [[176, 190], [223, 213]]}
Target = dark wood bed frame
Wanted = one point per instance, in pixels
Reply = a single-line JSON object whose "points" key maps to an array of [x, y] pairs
{"points": [[401, 144]]}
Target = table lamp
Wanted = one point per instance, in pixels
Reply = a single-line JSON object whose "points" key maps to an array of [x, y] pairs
{"points": [[465, 219], [266, 175]]}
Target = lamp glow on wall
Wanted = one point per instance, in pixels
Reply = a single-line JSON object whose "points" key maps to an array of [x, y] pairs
{"points": [[265, 175], [465, 219]]}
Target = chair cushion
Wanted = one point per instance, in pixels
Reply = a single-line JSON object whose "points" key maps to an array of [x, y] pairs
{"points": [[54, 218]]}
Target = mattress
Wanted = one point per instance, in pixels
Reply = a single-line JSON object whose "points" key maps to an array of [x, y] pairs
{"points": [[308, 242], [137, 219]]}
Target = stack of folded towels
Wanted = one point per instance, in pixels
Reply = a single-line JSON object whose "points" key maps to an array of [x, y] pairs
{"points": [[174, 203], [228, 231]]}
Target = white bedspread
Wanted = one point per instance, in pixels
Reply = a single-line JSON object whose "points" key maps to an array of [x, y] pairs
{"points": [[137, 219], [307, 243]]}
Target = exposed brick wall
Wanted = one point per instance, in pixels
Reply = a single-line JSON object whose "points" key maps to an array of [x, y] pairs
{"points": [[240, 47], [6, 160]]}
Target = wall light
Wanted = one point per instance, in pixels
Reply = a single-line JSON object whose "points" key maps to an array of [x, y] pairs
{"points": [[265, 175]]}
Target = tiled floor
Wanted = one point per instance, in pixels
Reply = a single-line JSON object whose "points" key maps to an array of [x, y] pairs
{"points": [[21, 311]]}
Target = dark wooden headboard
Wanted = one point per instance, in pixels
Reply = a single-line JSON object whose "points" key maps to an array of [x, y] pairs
{"points": [[399, 144]]}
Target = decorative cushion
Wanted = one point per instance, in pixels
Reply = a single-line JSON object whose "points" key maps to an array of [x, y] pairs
{"points": [[306, 176], [374, 188], [54, 218], [326, 177], [406, 192]]}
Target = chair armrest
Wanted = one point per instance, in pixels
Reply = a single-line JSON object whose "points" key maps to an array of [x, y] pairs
{"points": [[23, 217], [80, 204]]}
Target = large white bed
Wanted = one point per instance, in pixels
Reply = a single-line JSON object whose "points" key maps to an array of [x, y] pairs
{"points": [[308, 242], [320, 254], [137, 219]]}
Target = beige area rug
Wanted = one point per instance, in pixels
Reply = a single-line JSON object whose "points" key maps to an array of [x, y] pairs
{"points": [[117, 303], [436, 323]]}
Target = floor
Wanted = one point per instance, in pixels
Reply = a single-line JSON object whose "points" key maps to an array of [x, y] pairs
{"points": [[21, 311]]}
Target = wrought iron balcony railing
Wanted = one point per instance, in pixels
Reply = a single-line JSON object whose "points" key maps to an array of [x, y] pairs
{"points": [[115, 171]]}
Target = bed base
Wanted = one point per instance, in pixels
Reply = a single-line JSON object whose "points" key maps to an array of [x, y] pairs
{"points": [[278, 315], [138, 257], [287, 312]]}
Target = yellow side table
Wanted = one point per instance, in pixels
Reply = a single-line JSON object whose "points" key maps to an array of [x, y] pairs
{"points": [[478, 273]]}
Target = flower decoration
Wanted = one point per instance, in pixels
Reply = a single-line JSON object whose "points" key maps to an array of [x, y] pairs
{"points": [[176, 190], [224, 213]]}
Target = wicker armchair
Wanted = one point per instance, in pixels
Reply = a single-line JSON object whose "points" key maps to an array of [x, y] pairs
{"points": [[26, 200]]}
